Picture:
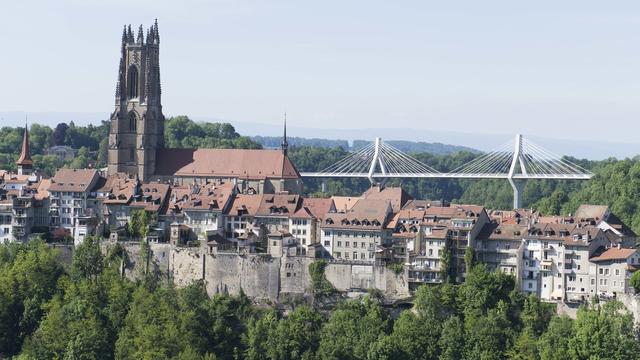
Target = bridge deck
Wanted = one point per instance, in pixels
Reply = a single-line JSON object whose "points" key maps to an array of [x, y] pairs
{"points": [[450, 176]]}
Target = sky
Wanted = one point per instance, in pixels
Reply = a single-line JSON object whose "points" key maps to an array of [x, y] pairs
{"points": [[550, 69]]}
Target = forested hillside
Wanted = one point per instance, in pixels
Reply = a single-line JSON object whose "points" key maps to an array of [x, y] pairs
{"points": [[273, 142], [91, 312], [91, 142]]}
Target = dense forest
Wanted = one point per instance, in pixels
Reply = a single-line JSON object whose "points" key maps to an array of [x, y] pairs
{"points": [[91, 312], [616, 182]]}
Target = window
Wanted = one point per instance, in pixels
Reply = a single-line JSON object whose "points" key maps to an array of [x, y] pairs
{"points": [[593, 281], [132, 82], [530, 285], [600, 271], [339, 243], [355, 255], [617, 271], [327, 243], [338, 255], [606, 271]]}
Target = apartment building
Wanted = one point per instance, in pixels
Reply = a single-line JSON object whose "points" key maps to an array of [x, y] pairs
{"points": [[304, 223], [358, 233], [69, 193], [200, 208], [611, 271]]}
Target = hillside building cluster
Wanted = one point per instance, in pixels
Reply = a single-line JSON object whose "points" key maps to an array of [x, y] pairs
{"points": [[251, 202]]}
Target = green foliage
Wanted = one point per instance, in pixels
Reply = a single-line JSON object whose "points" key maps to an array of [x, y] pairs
{"points": [[87, 259], [182, 132], [28, 277], [95, 313], [352, 329], [635, 281], [397, 268], [319, 283], [138, 225]]}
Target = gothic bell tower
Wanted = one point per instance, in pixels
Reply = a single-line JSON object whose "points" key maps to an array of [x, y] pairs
{"points": [[137, 124]]}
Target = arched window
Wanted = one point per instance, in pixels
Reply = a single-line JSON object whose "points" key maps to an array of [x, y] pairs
{"points": [[132, 81], [133, 122]]}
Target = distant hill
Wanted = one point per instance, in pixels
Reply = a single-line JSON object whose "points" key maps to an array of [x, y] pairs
{"points": [[272, 142]]}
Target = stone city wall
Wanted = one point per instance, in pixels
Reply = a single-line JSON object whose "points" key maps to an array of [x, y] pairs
{"points": [[260, 277]]}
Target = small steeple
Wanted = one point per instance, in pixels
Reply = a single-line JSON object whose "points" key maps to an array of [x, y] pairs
{"points": [[140, 35], [285, 145], [129, 34], [25, 164], [124, 35], [156, 32]]}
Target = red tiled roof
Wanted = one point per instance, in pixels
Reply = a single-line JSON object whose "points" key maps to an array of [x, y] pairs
{"points": [[227, 163], [614, 254], [73, 180], [278, 205], [244, 204]]}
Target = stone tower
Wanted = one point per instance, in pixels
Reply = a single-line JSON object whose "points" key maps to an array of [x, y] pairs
{"points": [[137, 124]]}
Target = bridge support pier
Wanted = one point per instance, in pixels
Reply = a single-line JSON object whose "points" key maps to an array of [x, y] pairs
{"points": [[323, 187], [518, 188]]}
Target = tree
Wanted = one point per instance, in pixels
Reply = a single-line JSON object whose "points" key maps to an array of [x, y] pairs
{"points": [[87, 260], [59, 134], [352, 329], [28, 279], [452, 339], [635, 281], [138, 226], [606, 332], [554, 343]]}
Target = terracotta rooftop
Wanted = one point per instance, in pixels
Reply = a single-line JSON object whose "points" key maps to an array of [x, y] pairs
{"points": [[396, 196], [318, 207], [73, 180], [209, 197], [153, 197], [345, 203], [367, 214], [227, 163], [598, 212], [278, 205], [614, 254], [244, 204]]}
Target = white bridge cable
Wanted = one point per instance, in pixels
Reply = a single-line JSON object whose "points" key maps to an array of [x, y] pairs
{"points": [[554, 164], [356, 162], [496, 161], [398, 162], [533, 162]]}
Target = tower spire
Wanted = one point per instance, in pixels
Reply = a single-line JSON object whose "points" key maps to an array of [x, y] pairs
{"points": [[25, 164], [284, 145]]}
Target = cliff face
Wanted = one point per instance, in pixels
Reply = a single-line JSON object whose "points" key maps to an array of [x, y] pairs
{"points": [[260, 277]]}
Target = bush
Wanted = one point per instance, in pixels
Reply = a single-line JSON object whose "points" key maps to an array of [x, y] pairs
{"points": [[319, 283]]}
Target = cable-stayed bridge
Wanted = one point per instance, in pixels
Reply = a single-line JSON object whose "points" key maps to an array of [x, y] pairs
{"points": [[517, 161]]}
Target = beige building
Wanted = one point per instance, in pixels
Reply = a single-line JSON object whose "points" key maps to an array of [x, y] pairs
{"points": [[357, 234], [611, 271]]}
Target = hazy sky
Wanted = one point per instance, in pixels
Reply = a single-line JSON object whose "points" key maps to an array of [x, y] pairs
{"points": [[562, 69]]}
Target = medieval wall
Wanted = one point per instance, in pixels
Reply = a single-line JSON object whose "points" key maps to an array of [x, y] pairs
{"points": [[260, 277]]}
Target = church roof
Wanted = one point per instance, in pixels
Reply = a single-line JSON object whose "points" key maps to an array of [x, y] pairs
{"points": [[228, 163], [25, 154]]}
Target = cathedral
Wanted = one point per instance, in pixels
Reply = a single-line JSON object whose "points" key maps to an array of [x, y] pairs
{"points": [[136, 138]]}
